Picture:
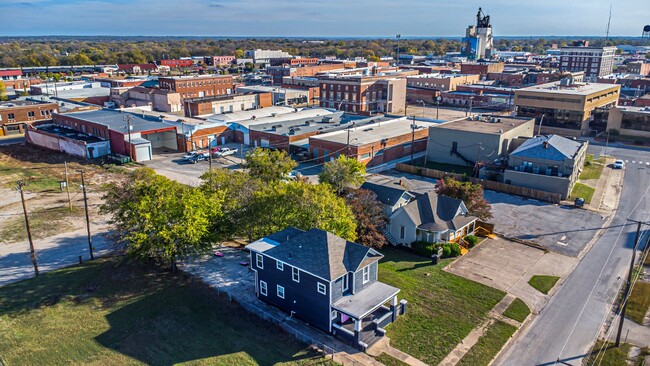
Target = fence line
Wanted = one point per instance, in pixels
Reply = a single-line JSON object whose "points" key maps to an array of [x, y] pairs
{"points": [[487, 184]]}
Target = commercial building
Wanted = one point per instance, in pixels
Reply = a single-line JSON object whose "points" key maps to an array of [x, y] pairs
{"points": [[177, 63], [78, 91], [374, 144], [265, 56], [204, 107], [121, 83], [594, 61], [14, 115], [157, 99], [478, 42], [482, 68], [365, 94], [630, 121], [280, 95], [130, 134], [442, 82], [219, 60], [13, 79], [475, 139], [141, 69], [566, 106], [639, 68], [67, 140], [279, 72], [294, 61], [547, 163], [198, 86]]}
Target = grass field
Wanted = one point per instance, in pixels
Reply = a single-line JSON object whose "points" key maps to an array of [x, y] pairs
{"points": [[639, 302], [614, 356], [488, 345], [389, 360], [582, 191], [518, 310], [43, 223], [543, 284], [442, 308], [593, 168], [112, 312]]}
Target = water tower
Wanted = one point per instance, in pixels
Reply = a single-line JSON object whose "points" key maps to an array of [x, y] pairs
{"points": [[646, 32]]}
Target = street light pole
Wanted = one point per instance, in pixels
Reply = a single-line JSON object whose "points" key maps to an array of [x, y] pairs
{"points": [[29, 231]]}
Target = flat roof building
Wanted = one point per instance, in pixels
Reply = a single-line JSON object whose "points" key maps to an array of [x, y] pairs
{"points": [[630, 121], [365, 94], [15, 114], [566, 106]]}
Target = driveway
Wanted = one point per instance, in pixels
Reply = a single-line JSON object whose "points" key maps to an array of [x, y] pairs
{"points": [[562, 229], [508, 266]]}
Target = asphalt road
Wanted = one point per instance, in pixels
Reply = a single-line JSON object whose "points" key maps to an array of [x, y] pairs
{"points": [[567, 327]]}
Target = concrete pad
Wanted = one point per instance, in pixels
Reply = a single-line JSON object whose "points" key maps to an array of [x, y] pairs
{"points": [[507, 266]]}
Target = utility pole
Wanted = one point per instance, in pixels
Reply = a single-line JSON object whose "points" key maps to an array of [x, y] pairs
{"points": [[413, 126], [348, 144], [628, 285], [606, 143], [210, 155], [398, 36], [21, 184], [67, 184], [127, 119], [478, 154], [541, 120], [90, 238]]}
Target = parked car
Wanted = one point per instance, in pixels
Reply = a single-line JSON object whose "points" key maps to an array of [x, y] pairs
{"points": [[190, 155], [225, 152], [198, 157], [215, 150], [619, 164]]}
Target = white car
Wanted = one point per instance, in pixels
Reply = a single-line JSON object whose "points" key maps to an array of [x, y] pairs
{"points": [[225, 152], [190, 155], [618, 164]]}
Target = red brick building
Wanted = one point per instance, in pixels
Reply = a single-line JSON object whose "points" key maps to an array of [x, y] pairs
{"points": [[365, 95], [291, 61], [481, 68], [373, 144], [16, 114], [177, 63], [227, 103], [198, 86], [13, 78], [219, 60], [278, 72]]}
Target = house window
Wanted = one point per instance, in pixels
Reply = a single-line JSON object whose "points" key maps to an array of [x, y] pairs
{"points": [[30, 114], [279, 265], [280, 292], [366, 274], [295, 274], [401, 232], [365, 156], [11, 116], [263, 289], [344, 284], [259, 260], [321, 288]]}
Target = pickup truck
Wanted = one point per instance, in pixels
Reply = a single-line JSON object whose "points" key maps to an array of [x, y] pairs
{"points": [[225, 152], [198, 157]]}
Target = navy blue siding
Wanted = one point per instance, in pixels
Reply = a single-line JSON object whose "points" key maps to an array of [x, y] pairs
{"points": [[301, 297], [358, 277]]}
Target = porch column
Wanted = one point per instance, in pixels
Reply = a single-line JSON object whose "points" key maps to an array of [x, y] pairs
{"points": [[357, 331], [393, 308]]}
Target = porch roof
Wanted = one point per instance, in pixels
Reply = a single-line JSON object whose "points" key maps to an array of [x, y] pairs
{"points": [[364, 302]]}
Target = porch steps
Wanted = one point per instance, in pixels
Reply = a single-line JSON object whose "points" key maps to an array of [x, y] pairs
{"points": [[389, 237]]}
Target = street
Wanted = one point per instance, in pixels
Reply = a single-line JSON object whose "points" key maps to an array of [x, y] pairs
{"points": [[568, 326]]}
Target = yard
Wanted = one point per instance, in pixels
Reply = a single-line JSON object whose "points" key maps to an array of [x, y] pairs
{"points": [[488, 345], [610, 355], [543, 284], [639, 301], [115, 312], [582, 191], [593, 168], [44, 222], [442, 308], [518, 310]]}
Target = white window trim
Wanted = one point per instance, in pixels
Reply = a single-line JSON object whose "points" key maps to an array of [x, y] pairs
{"points": [[366, 274], [259, 261], [278, 291], [344, 283], [320, 286], [263, 288], [333, 314], [295, 274], [279, 265]]}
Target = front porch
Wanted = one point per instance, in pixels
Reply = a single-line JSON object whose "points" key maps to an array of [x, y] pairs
{"points": [[360, 319]]}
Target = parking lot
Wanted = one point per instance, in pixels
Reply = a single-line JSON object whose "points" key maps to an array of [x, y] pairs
{"points": [[562, 229], [172, 166]]}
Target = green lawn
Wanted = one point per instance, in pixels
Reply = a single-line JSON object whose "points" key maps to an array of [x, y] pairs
{"points": [[543, 284], [489, 345], [639, 302], [389, 360], [442, 308], [111, 312], [518, 310], [43, 223], [614, 356], [582, 191], [451, 168], [593, 168]]}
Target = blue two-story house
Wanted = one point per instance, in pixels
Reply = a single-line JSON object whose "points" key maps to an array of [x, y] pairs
{"points": [[326, 281]]}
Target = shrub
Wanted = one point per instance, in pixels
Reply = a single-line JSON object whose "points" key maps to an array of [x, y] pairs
{"points": [[471, 240], [426, 249], [423, 248], [446, 251], [454, 249]]}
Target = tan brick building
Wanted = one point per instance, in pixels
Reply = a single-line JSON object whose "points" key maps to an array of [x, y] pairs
{"points": [[363, 94], [15, 114], [443, 82]]}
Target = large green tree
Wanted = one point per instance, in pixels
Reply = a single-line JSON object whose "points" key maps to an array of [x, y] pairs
{"points": [[303, 205], [159, 219], [269, 165], [343, 172], [470, 194]]}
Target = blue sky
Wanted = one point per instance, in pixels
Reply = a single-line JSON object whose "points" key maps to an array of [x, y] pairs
{"points": [[383, 18]]}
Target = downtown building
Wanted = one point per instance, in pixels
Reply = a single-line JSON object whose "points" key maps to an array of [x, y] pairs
{"points": [[594, 61]]}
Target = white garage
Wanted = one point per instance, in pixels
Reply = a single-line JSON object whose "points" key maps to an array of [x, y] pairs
{"points": [[142, 149]]}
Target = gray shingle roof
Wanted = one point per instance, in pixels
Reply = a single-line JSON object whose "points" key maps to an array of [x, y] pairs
{"points": [[558, 148], [434, 212], [321, 253], [388, 193]]}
